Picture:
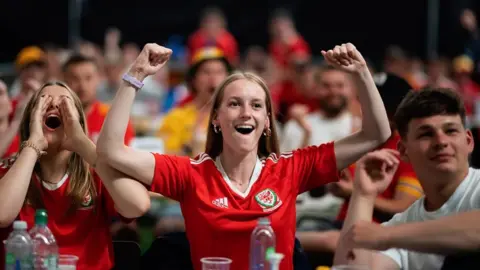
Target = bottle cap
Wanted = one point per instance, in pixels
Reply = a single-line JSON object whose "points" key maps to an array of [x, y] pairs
{"points": [[19, 225], [41, 217], [323, 268]]}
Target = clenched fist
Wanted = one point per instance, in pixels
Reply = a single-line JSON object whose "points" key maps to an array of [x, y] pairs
{"points": [[345, 57], [150, 60]]}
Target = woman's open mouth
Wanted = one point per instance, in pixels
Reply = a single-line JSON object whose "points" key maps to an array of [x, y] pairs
{"points": [[53, 122]]}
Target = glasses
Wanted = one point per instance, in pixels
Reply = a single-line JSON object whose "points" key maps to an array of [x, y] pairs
{"points": [[215, 263]]}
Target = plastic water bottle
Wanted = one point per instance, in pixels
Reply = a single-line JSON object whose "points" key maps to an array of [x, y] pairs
{"points": [[45, 248], [262, 240], [19, 248]]}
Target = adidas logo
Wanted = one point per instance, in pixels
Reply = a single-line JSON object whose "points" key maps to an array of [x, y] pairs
{"points": [[221, 202]]}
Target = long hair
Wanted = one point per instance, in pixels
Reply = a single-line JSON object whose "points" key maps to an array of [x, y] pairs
{"points": [[267, 144], [81, 180]]}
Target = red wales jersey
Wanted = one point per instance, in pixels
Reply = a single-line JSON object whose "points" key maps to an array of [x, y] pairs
{"points": [[95, 118], [13, 148], [85, 233], [220, 218]]}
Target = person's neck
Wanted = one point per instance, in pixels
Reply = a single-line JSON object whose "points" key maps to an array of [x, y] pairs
{"points": [[238, 167], [4, 123], [54, 166], [440, 186]]}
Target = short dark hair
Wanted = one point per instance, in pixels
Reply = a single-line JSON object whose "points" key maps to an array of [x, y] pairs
{"points": [[77, 59], [428, 102]]}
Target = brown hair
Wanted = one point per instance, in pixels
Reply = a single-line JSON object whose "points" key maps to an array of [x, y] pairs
{"points": [[324, 68], [267, 144], [81, 180], [425, 103]]}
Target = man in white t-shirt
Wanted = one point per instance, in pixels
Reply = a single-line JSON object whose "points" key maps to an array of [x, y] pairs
{"points": [[335, 91], [446, 220]]}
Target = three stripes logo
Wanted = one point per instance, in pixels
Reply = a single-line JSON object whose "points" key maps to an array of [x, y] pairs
{"points": [[221, 202]]}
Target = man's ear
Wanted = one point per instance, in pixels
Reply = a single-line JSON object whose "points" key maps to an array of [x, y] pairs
{"points": [[403, 151]]}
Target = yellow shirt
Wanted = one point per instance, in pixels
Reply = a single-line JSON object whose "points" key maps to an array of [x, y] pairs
{"points": [[178, 129]]}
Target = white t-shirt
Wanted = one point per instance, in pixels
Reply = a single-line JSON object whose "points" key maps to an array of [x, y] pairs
{"points": [[466, 197], [323, 130]]}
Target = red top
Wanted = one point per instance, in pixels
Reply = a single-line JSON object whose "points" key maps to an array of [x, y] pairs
{"points": [[96, 117], [282, 53], [219, 218], [404, 180], [287, 95], [13, 148], [15, 144], [85, 234]]}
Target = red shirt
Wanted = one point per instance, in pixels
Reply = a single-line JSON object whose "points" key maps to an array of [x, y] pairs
{"points": [[282, 53], [85, 234], [14, 103], [404, 179], [13, 148], [96, 117], [15, 144], [288, 95], [224, 41], [219, 219]]}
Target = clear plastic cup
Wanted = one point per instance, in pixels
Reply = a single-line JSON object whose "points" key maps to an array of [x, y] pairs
{"points": [[350, 267], [67, 262], [215, 263]]}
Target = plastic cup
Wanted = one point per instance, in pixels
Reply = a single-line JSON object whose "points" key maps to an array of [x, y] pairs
{"points": [[67, 262], [350, 267], [215, 263]]}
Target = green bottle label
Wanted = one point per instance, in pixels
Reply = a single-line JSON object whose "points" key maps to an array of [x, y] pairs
{"points": [[268, 252], [9, 259], [26, 262], [52, 262]]}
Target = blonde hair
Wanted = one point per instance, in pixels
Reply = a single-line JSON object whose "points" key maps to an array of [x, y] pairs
{"points": [[267, 144], [81, 180]]}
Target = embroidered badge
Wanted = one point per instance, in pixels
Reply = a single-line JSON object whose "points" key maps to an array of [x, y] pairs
{"points": [[87, 200], [266, 198]]}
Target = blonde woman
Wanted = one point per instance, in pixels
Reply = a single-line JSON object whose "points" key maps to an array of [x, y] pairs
{"points": [[52, 171], [241, 176]]}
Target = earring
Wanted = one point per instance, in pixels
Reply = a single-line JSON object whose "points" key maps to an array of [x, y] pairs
{"points": [[267, 132], [216, 129]]}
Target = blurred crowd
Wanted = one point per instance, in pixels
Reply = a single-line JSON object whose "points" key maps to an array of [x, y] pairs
{"points": [[314, 103]]}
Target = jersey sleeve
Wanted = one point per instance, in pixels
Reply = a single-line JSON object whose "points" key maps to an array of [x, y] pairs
{"points": [[315, 166], [172, 176], [407, 181]]}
